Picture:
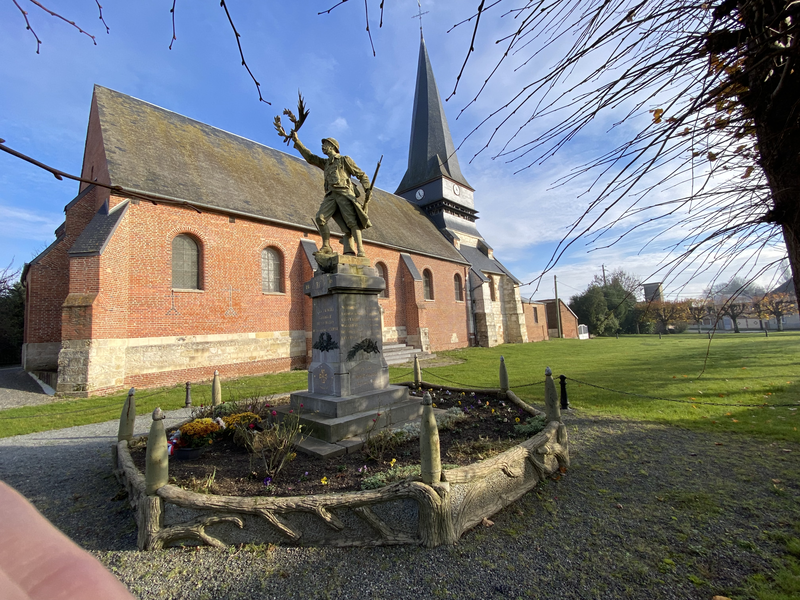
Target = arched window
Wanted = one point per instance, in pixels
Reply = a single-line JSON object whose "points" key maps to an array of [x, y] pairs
{"points": [[384, 273], [427, 284], [271, 271], [185, 263], [458, 288]]}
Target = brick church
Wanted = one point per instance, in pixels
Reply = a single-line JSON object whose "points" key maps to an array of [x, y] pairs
{"points": [[195, 259]]}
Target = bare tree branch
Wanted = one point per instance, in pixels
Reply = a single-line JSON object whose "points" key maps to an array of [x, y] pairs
{"points": [[366, 15], [327, 12], [241, 53], [58, 16], [28, 25], [172, 12], [102, 20]]}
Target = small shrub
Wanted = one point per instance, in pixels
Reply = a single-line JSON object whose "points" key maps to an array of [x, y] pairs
{"points": [[449, 418], [274, 444], [531, 426], [384, 442]]}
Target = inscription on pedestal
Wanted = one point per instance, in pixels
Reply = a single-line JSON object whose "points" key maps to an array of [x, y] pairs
{"points": [[365, 377]]}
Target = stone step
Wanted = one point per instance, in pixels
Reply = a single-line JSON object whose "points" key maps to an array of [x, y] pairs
{"points": [[396, 354], [324, 405], [333, 429]]}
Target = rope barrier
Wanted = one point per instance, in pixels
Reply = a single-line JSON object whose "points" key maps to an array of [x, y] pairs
{"points": [[254, 393], [600, 387], [396, 377]]}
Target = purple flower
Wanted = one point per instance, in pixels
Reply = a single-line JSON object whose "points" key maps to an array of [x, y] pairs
{"points": [[267, 481]]}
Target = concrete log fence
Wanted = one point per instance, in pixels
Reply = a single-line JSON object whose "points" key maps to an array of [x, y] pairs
{"points": [[431, 510]]}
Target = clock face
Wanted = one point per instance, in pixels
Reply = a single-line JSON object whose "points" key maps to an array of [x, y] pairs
{"points": [[456, 190], [420, 194]]}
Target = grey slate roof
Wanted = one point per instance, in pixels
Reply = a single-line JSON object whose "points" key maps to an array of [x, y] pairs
{"points": [[431, 152], [96, 235], [483, 264], [787, 287], [157, 151]]}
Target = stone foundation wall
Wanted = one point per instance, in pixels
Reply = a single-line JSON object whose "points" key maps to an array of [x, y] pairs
{"points": [[88, 367], [394, 335]]}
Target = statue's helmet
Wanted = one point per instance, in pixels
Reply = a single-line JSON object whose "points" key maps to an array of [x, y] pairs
{"points": [[332, 142]]}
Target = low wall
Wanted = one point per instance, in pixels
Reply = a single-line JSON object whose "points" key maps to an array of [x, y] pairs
{"points": [[89, 367], [408, 512]]}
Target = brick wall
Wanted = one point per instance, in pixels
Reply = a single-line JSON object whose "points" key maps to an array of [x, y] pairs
{"points": [[569, 322], [536, 322], [126, 294]]}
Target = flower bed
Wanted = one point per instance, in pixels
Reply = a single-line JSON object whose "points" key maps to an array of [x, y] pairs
{"points": [[403, 512]]}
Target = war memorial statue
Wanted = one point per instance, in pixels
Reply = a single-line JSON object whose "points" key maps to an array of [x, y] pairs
{"points": [[341, 193]]}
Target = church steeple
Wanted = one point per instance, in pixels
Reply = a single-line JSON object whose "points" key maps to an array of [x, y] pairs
{"points": [[431, 154]]}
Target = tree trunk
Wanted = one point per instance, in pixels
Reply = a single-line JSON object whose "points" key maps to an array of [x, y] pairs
{"points": [[793, 249], [773, 87]]}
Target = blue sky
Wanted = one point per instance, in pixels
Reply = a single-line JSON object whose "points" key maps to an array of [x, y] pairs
{"points": [[363, 101]]}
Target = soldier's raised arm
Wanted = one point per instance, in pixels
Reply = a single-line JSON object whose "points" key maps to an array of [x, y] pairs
{"points": [[310, 157]]}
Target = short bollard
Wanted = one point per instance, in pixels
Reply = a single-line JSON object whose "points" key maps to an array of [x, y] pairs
{"points": [[430, 454], [564, 399], [551, 397], [659, 335], [156, 471], [417, 372], [503, 376], [128, 417], [188, 394], [216, 390]]}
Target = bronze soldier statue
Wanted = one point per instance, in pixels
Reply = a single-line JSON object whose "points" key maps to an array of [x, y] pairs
{"points": [[340, 201]]}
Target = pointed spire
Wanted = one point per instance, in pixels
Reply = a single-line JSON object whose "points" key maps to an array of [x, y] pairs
{"points": [[431, 153]]}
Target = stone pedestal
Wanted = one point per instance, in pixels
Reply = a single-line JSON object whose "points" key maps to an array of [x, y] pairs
{"points": [[348, 379]]}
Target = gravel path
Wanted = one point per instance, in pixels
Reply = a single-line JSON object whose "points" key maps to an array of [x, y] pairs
{"points": [[18, 388], [646, 511]]}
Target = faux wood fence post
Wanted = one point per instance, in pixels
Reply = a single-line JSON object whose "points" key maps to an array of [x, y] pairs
{"points": [[551, 397], [503, 376], [216, 390], [430, 455], [564, 398], [188, 394], [128, 417], [156, 472], [417, 372]]}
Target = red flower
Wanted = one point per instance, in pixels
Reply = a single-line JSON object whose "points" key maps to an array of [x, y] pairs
{"points": [[252, 426]]}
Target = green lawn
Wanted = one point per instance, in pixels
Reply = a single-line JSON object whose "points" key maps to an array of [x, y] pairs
{"points": [[715, 383], [68, 413]]}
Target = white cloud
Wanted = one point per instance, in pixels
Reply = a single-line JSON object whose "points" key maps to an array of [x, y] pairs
{"points": [[19, 223]]}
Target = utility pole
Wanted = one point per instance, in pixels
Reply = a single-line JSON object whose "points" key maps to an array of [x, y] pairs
{"points": [[558, 306], [604, 275]]}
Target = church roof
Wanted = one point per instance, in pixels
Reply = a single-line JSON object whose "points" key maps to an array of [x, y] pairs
{"points": [[95, 236], [431, 153], [156, 151], [480, 262]]}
